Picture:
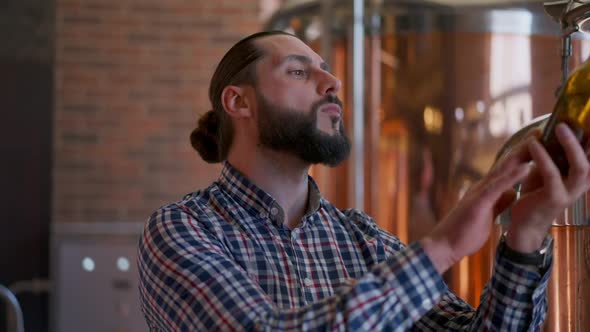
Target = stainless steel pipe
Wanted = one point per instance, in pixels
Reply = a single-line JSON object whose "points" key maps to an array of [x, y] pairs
{"points": [[14, 313]]}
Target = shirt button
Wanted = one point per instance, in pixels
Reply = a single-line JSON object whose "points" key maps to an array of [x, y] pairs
{"points": [[262, 215], [274, 211], [307, 282]]}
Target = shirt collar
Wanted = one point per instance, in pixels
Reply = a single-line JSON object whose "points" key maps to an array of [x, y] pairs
{"points": [[256, 200]]}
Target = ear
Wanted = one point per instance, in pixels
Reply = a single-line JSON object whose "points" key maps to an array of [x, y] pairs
{"points": [[236, 102]]}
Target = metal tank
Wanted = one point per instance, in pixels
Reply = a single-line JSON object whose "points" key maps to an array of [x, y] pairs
{"points": [[433, 91]]}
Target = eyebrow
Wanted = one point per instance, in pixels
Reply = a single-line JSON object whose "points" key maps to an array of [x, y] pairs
{"points": [[305, 60]]}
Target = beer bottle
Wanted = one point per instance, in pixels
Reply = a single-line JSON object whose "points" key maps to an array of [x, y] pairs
{"points": [[572, 108]]}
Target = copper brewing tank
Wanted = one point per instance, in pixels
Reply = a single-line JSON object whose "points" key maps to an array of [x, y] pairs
{"points": [[442, 86]]}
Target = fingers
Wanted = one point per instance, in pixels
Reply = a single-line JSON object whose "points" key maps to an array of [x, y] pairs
{"points": [[533, 181], [518, 150], [561, 192], [544, 164], [503, 184], [579, 168], [505, 200], [518, 155], [498, 185], [573, 150]]}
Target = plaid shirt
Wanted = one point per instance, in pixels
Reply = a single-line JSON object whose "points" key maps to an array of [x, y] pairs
{"points": [[222, 260]]}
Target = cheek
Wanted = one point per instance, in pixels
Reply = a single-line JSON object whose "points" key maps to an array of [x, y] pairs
{"points": [[294, 96], [297, 101], [288, 95]]}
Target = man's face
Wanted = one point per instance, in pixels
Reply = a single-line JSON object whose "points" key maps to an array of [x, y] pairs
{"points": [[297, 107]]}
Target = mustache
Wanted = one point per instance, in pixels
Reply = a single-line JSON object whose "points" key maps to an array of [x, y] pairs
{"points": [[329, 99]]}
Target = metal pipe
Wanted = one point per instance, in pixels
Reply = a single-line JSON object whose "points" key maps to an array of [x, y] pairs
{"points": [[35, 286], [14, 313], [326, 46], [358, 65], [566, 53]]}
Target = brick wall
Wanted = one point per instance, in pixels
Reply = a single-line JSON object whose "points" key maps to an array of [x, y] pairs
{"points": [[131, 80]]}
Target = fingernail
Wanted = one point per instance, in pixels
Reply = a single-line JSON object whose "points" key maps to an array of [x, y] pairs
{"points": [[561, 128], [524, 168]]}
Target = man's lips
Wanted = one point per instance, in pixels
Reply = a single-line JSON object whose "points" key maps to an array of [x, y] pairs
{"points": [[332, 109]]}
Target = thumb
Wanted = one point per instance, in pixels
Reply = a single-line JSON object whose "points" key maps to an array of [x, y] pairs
{"points": [[499, 189], [505, 200]]}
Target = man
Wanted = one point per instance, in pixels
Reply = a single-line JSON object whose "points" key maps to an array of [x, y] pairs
{"points": [[261, 250]]}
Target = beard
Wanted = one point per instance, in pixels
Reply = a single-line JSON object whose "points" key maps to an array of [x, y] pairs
{"points": [[296, 132]]}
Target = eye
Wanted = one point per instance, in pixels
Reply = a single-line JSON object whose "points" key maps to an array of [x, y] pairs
{"points": [[298, 73]]}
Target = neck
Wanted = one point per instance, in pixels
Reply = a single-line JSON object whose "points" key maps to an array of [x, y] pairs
{"points": [[281, 175]]}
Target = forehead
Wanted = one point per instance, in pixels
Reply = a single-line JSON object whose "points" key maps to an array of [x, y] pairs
{"points": [[278, 47]]}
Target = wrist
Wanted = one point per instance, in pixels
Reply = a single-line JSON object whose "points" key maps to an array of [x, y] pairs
{"points": [[525, 241], [540, 258], [439, 252]]}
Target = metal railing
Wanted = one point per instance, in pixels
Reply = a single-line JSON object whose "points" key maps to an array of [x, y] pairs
{"points": [[14, 313]]}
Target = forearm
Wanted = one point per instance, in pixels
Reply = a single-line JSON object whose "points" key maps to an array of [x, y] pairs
{"points": [[392, 296], [439, 253], [526, 240]]}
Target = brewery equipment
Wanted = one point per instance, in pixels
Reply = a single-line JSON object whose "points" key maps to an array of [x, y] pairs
{"points": [[569, 286], [445, 84]]}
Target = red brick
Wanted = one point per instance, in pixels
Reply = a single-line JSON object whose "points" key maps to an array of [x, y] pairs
{"points": [[131, 79]]}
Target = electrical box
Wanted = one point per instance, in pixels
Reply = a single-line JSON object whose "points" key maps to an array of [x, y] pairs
{"points": [[95, 278]]}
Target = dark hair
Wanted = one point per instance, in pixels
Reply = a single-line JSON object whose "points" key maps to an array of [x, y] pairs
{"points": [[214, 133]]}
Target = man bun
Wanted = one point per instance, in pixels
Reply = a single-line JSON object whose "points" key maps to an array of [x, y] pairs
{"points": [[205, 138]]}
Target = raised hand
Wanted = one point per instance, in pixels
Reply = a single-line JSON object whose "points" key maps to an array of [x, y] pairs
{"points": [[545, 193], [467, 227]]}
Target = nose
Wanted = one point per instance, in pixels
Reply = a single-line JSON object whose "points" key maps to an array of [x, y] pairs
{"points": [[328, 84]]}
